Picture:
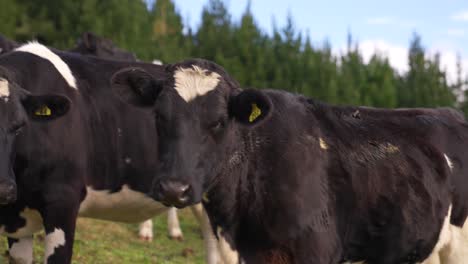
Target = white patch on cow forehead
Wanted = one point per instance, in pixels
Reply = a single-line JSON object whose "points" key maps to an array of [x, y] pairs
{"points": [[45, 53], [194, 81], [53, 240], [4, 89]]}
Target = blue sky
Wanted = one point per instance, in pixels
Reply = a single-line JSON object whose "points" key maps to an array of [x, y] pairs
{"points": [[386, 26]]}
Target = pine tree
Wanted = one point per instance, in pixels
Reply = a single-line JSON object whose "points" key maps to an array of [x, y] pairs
{"points": [[167, 37]]}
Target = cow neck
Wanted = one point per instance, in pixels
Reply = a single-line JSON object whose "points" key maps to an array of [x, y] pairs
{"points": [[232, 200]]}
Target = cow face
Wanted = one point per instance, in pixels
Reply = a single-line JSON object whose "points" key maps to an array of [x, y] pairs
{"points": [[17, 107], [90, 44], [200, 113]]}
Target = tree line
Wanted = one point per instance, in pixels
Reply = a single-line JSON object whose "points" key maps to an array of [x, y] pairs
{"points": [[286, 59]]}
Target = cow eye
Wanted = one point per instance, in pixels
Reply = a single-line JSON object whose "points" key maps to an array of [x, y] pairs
{"points": [[218, 125]]}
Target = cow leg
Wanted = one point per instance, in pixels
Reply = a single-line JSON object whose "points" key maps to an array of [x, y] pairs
{"points": [[146, 230], [209, 240], [59, 215], [173, 226], [21, 250]]}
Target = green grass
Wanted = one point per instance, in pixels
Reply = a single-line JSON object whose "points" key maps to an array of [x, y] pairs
{"points": [[99, 242]]}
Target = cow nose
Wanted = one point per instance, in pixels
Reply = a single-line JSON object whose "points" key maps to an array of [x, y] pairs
{"points": [[7, 193], [174, 193]]}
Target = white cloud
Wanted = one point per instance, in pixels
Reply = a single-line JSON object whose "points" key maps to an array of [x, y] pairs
{"points": [[380, 21], [461, 16], [456, 32], [448, 62], [398, 56]]}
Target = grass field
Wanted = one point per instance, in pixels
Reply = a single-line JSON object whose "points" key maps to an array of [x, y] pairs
{"points": [[104, 242]]}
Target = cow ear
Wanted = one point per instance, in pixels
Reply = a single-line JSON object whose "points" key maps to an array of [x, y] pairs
{"points": [[250, 107], [136, 86], [89, 41], [45, 107]]}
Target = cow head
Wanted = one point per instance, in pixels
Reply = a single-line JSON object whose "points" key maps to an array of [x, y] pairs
{"points": [[200, 113], [17, 107], [91, 44]]}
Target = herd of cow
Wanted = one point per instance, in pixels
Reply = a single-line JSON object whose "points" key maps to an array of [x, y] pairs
{"points": [[273, 177]]}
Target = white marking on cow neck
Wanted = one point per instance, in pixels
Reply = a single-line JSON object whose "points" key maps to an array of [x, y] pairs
{"points": [[452, 246], [449, 162], [194, 81], [22, 251], [52, 241], [146, 230], [157, 62], [33, 224], [125, 205], [229, 255], [45, 53], [4, 89]]}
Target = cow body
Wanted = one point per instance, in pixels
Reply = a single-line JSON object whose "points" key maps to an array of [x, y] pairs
{"points": [[286, 179], [97, 161]]}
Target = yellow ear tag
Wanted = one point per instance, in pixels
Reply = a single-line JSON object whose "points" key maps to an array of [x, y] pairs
{"points": [[43, 111], [256, 112]]}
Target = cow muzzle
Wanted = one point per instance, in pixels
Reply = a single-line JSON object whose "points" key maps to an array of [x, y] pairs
{"points": [[173, 193]]}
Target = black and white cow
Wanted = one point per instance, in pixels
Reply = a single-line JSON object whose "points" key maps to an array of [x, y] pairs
{"points": [[287, 179], [96, 161], [90, 44]]}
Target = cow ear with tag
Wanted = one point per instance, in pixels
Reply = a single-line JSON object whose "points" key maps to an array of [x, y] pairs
{"points": [[136, 86], [250, 107], [45, 107]]}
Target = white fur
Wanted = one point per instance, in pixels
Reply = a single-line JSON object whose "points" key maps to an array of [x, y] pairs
{"points": [[4, 89], [125, 205], [229, 255], [194, 81], [45, 53], [146, 230], [157, 62], [452, 246], [52, 241], [173, 226], [444, 240], [33, 224], [211, 244], [22, 251], [449, 162]]}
